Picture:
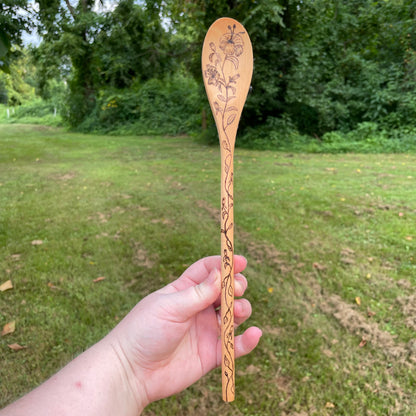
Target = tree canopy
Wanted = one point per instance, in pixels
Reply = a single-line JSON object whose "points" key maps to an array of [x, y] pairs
{"points": [[319, 65], [14, 19]]}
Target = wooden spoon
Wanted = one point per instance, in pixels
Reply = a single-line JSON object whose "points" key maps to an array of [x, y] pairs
{"points": [[227, 66]]}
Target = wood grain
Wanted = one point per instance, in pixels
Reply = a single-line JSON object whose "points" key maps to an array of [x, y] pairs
{"points": [[227, 67]]}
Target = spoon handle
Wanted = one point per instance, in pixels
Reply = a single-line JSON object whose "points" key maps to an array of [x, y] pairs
{"points": [[227, 273]]}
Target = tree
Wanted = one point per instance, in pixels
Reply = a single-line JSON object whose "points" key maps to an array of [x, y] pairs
{"points": [[348, 65], [320, 65], [68, 30], [14, 18], [17, 83], [265, 21], [132, 46], [101, 49]]}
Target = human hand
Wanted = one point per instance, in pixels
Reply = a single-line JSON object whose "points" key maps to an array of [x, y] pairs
{"points": [[171, 338], [167, 342]]}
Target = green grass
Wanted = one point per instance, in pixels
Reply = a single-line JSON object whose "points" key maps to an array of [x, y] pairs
{"points": [[330, 241]]}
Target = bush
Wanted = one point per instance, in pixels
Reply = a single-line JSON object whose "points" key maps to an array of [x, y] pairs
{"points": [[34, 112], [168, 106], [36, 108], [276, 133], [369, 137]]}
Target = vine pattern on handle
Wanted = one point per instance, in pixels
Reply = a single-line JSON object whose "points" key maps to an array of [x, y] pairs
{"points": [[222, 73]]}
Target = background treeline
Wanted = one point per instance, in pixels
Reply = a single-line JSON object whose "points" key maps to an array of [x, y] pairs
{"points": [[327, 74]]}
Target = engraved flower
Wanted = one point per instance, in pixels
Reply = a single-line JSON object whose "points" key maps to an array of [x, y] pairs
{"points": [[213, 75], [231, 43]]}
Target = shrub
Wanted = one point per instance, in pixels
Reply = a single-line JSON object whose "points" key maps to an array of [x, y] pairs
{"points": [[35, 108], [276, 133], [167, 106], [37, 111], [368, 137]]}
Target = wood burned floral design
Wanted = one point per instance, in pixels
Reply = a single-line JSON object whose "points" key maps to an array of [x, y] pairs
{"points": [[230, 47]]}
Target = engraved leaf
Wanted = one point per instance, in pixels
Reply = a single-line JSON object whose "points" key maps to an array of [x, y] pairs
{"points": [[228, 159], [211, 57], [217, 107], [221, 98], [212, 46], [231, 119], [234, 78], [226, 147], [232, 108]]}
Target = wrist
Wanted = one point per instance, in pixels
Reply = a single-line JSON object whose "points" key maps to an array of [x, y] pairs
{"points": [[127, 381], [97, 382]]}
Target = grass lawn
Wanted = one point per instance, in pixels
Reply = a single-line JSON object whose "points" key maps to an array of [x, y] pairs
{"points": [[330, 242]]}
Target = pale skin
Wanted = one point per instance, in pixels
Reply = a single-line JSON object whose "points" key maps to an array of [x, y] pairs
{"points": [[168, 341]]}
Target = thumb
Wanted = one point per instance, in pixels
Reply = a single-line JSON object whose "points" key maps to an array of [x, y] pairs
{"points": [[195, 299]]}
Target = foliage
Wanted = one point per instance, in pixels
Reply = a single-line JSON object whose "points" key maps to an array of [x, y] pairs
{"points": [[367, 137], [157, 106], [350, 64], [132, 46], [319, 66], [276, 133], [35, 109], [102, 49], [16, 86], [12, 24], [34, 112], [264, 23], [328, 65]]}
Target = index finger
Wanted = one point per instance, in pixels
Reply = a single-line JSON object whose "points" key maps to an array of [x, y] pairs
{"points": [[200, 270]]}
